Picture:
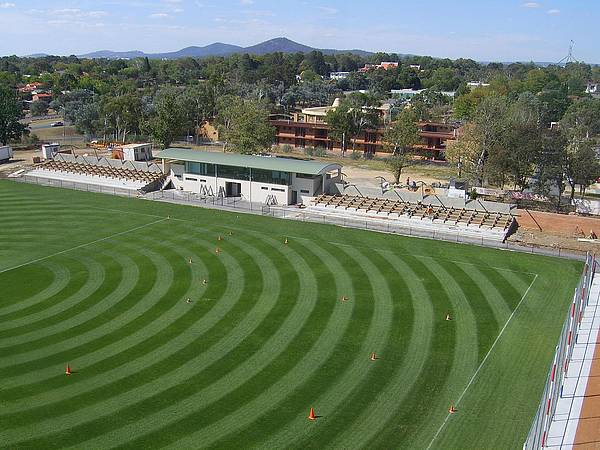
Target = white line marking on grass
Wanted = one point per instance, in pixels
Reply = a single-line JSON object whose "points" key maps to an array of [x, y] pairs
{"points": [[482, 363], [83, 245]]}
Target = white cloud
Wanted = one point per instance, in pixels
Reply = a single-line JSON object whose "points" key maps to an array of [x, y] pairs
{"points": [[159, 16], [554, 12], [7, 5], [247, 2], [531, 5], [327, 9]]}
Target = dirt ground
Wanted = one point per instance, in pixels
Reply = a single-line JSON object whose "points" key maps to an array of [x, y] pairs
{"points": [[588, 430], [557, 231], [367, 177]]}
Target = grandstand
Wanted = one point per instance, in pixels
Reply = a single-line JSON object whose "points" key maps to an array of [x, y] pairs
{"points": [[468, 217], [102, 171]]}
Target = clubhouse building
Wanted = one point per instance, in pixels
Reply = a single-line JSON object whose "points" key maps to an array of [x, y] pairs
{"points": [[262, 179]]}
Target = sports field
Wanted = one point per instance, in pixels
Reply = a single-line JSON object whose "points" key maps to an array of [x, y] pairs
{"points": [[101, 283]]}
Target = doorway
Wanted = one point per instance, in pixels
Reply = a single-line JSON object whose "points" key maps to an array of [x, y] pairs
{"points": [[233, 189]]}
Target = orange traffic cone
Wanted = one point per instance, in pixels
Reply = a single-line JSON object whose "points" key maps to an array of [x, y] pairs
{"points": [[68, 370], [311, 415], [448, 317], [373, 356], [286, 241], [452, 409]]}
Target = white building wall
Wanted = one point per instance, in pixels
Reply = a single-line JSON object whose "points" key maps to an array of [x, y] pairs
{"points": [[250, 191]]}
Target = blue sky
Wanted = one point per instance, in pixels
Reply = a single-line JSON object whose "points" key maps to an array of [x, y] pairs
{"points": [[498, 30]]}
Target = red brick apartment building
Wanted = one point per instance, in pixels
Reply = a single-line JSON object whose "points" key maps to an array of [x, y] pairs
{"points": [[309, 129]]}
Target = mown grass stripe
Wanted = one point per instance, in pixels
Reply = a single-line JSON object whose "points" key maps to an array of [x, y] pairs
{"points": [[131, 395], [16, 297], [90, 271], [376, 420], [93, 362], [223, 384], [333, 283], [362, 380], [466, 354], [122, 278]]}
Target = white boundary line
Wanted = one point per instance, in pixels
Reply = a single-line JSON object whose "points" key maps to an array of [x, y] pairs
{"points": [[482, 363], [83, 245]]}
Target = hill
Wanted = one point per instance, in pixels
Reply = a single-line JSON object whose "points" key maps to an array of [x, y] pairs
{"points": [[280, 44]]}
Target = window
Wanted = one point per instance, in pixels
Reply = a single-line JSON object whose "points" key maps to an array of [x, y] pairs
{"points": [[191, 179], [307, 176], [200, 168], [271, 176], [233, 172], [265, 188], [303, 191], [278, 190]]}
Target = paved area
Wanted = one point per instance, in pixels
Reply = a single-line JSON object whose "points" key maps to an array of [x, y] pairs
{"points": [[576, 424]]}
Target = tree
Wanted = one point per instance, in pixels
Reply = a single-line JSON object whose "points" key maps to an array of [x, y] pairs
{"points": [[10, 113], [244, 125], [466, 105], [430, 105], [400, 137], [443, 79], [169, 119], [199, 105], [87, 119], [522, 140], [551, 165], [582, 119], [582, 165], [491, 126], [363, 113], [39, 108], [464, 152], [341, 125]]}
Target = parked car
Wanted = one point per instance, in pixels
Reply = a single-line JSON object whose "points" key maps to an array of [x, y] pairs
{"points": [[57, 124]]}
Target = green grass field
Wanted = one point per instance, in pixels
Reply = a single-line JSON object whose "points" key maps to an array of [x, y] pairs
{"points": [[101, 283]]}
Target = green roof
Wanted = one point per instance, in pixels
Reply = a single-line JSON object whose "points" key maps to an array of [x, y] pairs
{"points": [[251, 161]]}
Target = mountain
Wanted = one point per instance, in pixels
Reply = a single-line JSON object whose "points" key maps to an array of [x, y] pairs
{"points": [[216, 49], [109, 54], [280, 44]]}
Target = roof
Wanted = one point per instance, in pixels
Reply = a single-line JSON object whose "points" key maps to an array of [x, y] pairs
{"points": [[250, 161], [135, 145]]}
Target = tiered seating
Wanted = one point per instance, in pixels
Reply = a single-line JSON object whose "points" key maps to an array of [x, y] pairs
{"points": [[480, 219], [103, 171]]}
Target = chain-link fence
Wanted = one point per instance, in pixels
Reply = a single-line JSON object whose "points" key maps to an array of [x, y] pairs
{"points": [[538, 433]]}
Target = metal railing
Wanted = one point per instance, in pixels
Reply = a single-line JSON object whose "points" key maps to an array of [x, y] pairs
{"points": [[538, 433]]}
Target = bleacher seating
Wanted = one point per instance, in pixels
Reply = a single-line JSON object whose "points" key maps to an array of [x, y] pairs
{"points": [[103, 171], [445, 215]]}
